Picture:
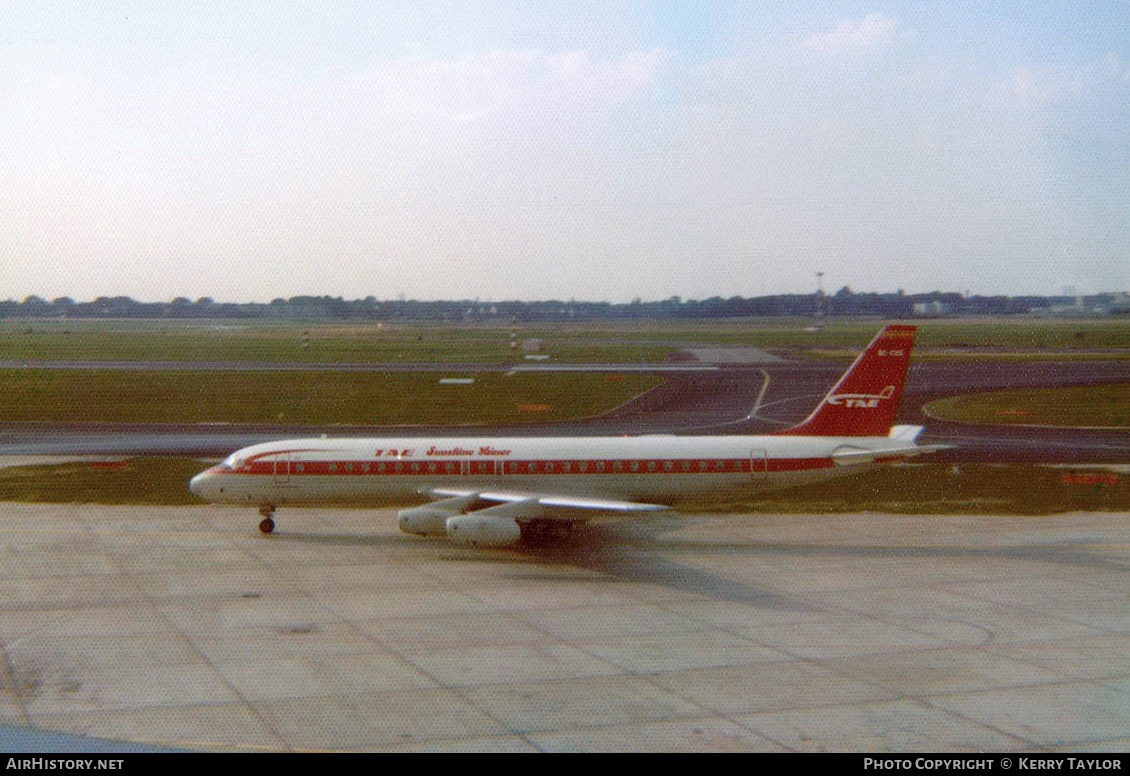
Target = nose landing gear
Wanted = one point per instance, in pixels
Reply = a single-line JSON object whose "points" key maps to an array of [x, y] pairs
{"points": [[267, 524]]}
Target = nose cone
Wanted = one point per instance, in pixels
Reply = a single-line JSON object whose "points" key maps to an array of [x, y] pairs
{"points": [[200, 485]]}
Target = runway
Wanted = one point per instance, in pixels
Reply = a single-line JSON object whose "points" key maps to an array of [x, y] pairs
{"points": [[184, 628]]}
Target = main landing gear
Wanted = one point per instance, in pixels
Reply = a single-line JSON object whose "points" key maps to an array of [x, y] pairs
{"points": [[540, 533], [267, 524]]}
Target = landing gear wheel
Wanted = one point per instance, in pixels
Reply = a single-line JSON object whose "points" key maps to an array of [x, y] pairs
{"points": [[268, 512]]}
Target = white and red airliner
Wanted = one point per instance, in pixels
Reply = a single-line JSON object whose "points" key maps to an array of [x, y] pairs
{"points": [[495, 492]]}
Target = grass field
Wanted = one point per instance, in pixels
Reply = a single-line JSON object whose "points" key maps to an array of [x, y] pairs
{"points": [[952, 336], [1105, 406], [310, 397], [314, 343], [586, 342], [1022, 489], [145, 481]]}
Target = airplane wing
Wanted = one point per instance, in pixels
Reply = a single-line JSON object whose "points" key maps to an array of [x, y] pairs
{"points": [[540, 501]]}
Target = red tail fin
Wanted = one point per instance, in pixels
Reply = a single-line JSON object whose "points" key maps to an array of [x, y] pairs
{"points": [[864, 401]]}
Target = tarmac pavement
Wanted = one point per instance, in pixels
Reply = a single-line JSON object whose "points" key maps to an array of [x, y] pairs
{"points": [[183, 627]]}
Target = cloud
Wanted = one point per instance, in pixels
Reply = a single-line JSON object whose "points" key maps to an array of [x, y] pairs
{"points": [[872, 32]]}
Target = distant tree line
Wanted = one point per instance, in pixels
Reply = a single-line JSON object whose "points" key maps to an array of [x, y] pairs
{"points": [[843, 302]]}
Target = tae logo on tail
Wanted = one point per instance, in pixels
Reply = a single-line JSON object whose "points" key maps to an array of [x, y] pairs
{"points": [[865, 400]]}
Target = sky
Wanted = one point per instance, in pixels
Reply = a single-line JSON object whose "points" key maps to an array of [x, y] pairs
{"points": [[562, 149]]}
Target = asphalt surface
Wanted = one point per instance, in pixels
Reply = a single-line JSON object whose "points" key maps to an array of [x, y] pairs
{"points": [[695, 398], [184, 628]]}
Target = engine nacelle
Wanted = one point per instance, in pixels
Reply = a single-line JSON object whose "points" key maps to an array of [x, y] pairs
{"points": [[425, 521], [479, 530], [431, 519]]}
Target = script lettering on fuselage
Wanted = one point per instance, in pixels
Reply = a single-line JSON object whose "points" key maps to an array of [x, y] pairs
{"points": [[393, 453], [433, 451]]}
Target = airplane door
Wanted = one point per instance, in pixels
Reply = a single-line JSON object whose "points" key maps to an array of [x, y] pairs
{"points": [[282, 469], [759, 466]]}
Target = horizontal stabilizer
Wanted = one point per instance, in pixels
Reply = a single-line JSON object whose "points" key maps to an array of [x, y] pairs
{"points": [[847, 456], [906, 433]]}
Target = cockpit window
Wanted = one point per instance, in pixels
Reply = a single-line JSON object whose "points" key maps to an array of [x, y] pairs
{"points": [[233, 462]]}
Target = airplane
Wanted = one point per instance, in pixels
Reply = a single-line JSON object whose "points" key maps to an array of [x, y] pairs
{"points": [[498, 492]]}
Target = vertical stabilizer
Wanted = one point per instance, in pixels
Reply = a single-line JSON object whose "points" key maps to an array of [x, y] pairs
{"points": [[864, 401]]}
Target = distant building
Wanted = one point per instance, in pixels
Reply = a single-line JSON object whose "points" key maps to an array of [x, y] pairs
{"points": [[932, 309], [1087, 307]]}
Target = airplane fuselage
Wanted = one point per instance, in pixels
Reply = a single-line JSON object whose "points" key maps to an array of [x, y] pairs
{"points": [[662, 469]]}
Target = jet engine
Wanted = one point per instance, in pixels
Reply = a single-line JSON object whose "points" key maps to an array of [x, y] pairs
{"points": [[425, 521], [431, 519], [481, 530]]}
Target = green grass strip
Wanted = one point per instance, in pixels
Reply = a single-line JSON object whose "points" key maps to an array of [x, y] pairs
{"points": [[318, 398], [943, 489], [1091, 405], [141, 481], [323, 344], [589, 341]]}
